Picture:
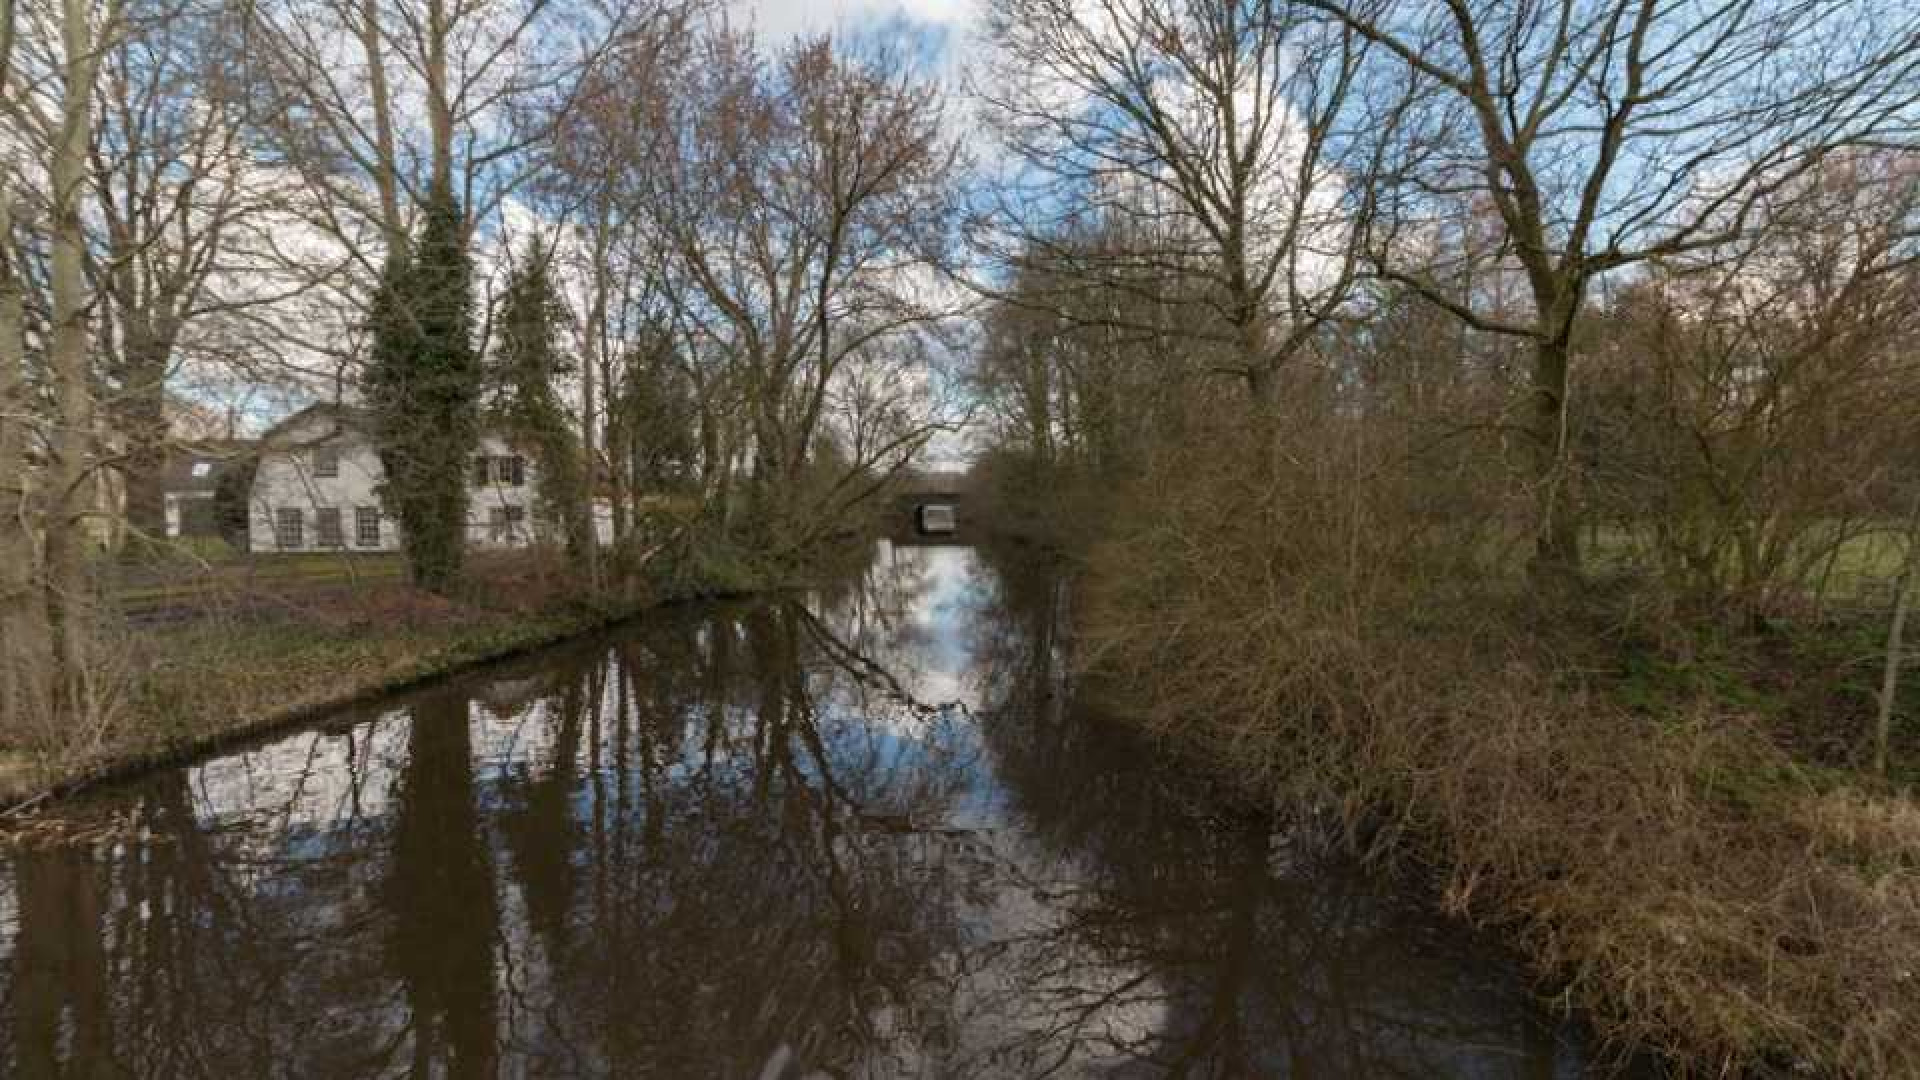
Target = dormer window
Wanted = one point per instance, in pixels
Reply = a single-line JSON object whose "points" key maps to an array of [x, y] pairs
{"points": [[508, 471], [326, 461]]}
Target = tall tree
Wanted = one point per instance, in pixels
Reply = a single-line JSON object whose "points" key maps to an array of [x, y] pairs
{"points": [[23, 627], [593, 176], [803, 202], [65, 129], [1231, 140], [171, 187], [529, 365], [423, 383], [1607, 133]]}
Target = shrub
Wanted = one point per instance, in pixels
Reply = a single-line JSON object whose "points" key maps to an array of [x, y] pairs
{"points": [[1335, 614]]}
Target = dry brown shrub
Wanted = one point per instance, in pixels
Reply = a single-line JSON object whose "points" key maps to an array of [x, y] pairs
{"points": [[1339, 616], [73, 713]]}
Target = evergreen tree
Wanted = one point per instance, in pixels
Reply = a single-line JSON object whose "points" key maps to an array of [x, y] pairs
{"points": [[650, 432], [423, 387], [529, 362]]}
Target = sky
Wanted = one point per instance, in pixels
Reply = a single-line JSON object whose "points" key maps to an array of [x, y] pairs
{"points": [[780, 19]]}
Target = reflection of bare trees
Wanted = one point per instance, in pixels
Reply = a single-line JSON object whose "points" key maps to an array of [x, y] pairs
{"points": [[194, 950], [1197, 938], [59, 990], [440, 894], [748, 877], [745, 836]]}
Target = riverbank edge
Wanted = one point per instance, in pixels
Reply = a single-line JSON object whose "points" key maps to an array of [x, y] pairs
{"points": [[1566, 977], [482, 648], [1393, 846]]}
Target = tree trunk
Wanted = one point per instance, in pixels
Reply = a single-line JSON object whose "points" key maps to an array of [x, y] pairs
{"points": [[1556, 554], [1262, 388], [439, 97], [387, 174], [70, 482], [24, 659], [1896, 643], [589, 410], [1256, 358], [141, 415]]}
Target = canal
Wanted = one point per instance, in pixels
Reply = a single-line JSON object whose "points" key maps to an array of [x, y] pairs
{"points": [[866, 833]]}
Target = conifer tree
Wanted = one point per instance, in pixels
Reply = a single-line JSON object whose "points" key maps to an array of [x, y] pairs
{"points": [[529, 362], [423, 387]]}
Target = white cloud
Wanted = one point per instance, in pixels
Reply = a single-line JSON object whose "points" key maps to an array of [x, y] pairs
{"points": [[778, 20]]}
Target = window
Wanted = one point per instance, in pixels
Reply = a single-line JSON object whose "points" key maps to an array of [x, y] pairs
{"points": [[504, 523], [201, 469], [366, 526], [326, 522], [287, 530], [326, 461], [506, 471]]}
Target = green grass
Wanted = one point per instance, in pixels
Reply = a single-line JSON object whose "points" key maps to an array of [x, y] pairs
{"points": [[1866, 565], [1859, 569], [190, 684], [148, 587]]}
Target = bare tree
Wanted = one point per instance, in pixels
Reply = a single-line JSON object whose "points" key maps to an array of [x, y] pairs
{"points": [[23, 613], [173, 188], [1747, 413], [1607, 133], [371, 103], [1233, 139], [587, 188], [450, 94], [53, 58], [805, 207], [1075, 373]]}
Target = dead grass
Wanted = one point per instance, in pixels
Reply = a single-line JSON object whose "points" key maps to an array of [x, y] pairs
{"points": [[245, 660], [1674, 869]]}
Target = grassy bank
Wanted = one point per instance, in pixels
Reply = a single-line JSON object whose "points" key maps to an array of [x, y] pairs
{"points": [[1665, 804], [236, 655], [1679, 867]]}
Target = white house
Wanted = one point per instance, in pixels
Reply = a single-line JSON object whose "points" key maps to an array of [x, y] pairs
{"points": [[315, 489]]}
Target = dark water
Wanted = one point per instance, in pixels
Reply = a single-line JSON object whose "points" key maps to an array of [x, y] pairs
{"points": [[863, 836]]}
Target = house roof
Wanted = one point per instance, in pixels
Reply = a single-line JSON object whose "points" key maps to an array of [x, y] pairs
{"points": [[197, 467], [355, 418], [343, 416]]}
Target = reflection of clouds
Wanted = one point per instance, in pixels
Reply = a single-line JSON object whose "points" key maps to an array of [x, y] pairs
{"points": [[942, 615], [866, 835], [312, 781], [1034, 993], [914, 620]]}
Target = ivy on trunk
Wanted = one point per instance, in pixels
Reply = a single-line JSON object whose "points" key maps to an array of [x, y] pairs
{"points": [[423, 387], [529, 364]]}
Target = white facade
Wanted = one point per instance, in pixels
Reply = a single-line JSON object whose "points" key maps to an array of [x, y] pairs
{"points": [[315, 490]]}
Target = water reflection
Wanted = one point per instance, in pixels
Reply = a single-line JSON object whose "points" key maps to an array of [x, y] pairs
{"points": [[863, 836]]}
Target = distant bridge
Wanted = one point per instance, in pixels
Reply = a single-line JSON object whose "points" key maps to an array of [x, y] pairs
{"points": [[930, 489]]}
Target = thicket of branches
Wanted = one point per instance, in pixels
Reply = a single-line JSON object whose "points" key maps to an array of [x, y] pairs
{"points": [[1490, 407], [691, 276]]}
